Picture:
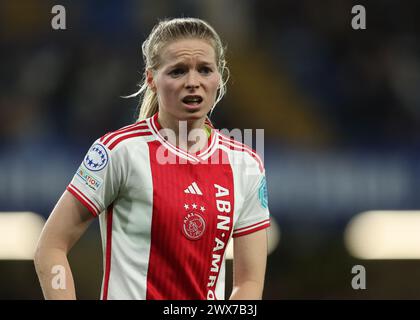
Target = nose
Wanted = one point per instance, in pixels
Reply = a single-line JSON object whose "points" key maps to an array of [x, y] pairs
{"points": [[192, 81]]}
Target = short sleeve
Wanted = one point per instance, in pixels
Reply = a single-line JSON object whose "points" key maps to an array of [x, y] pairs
{"points": [[98, 179], [254, 215]]}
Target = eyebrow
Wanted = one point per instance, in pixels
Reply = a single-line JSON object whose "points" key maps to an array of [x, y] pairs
{"points": [[183, 64]]}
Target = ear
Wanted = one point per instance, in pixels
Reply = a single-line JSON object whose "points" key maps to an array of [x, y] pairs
{"points": [[150, 80]]}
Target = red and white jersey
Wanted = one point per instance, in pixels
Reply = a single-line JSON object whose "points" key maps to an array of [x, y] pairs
{"points": [[165, 225]]}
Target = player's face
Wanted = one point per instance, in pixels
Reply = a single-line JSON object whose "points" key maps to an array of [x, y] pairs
{"points": [[187, 80]]}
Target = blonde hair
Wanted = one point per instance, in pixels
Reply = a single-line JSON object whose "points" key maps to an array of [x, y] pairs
{"points": [[165, 32]]}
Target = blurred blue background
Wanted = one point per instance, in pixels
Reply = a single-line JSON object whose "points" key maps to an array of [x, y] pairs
{"points": [[340, 109]]}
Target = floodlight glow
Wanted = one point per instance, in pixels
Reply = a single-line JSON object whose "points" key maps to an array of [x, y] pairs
{"points": [[19, 233], [384, 235]]}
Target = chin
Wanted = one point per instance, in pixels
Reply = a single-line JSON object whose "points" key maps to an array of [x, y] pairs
{"points": [[195, 114]]}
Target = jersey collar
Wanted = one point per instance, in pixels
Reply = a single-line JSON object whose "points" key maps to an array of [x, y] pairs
{"points": [[194, 157]]}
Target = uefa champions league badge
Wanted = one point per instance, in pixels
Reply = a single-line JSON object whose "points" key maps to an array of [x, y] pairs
{"points": [[97, 158]]}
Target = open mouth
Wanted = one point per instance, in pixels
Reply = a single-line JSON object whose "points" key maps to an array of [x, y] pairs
{"points": [[192, 100]]}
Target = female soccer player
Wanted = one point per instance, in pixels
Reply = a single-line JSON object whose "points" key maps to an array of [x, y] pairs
{"points": [[168, 204]]}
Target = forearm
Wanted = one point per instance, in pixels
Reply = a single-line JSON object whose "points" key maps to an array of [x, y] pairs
{"points": [[54, 274], [248, 290]]}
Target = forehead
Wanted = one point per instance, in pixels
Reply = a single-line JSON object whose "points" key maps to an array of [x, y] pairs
{"points": [[187, 49]]}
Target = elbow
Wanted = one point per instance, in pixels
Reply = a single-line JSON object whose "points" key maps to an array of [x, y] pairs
{"points": [[46, 255], [42, 255], [247, 290], [38, 257]]}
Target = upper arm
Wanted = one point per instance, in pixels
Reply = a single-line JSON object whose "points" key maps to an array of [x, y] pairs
{"points": [[250, 258], [66, 224], [250, 231], [94, 186]]}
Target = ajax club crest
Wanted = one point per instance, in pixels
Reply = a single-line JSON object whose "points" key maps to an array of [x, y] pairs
{"points": [[194, 222], [193, 226]]}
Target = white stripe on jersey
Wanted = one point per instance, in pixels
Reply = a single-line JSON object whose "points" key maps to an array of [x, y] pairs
{"points": [[196, 188]]}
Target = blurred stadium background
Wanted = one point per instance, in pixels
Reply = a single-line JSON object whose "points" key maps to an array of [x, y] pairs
{"points": [[340, 109]]}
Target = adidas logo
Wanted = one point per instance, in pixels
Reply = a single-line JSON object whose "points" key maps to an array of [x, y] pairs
{"points": [[193, 189]]}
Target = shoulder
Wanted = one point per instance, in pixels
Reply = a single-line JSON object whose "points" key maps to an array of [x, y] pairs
{"points": [[133, 133], [249, 156]]}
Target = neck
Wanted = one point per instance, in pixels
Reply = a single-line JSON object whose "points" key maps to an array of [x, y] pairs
{"points": [[189, 135]]}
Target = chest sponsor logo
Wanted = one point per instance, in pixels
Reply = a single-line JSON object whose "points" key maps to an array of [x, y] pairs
{"points": [[89, 179], [224, 207]]}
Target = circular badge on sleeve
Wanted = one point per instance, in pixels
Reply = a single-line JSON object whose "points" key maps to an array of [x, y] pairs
{"points": [[97, 158]]}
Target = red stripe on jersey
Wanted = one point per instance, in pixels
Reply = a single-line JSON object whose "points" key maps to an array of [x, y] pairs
{"points": [[234, 145], [121, 129], [124, 137], [83, 199], [138, 126], [240, 145], [252, 225], [244, 146], [252, 228], [108, 251], [240, 234], [179, 266], [235, 148]]}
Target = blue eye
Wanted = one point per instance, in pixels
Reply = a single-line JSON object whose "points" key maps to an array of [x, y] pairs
{"points": [[205, 70], [177, 72]]}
